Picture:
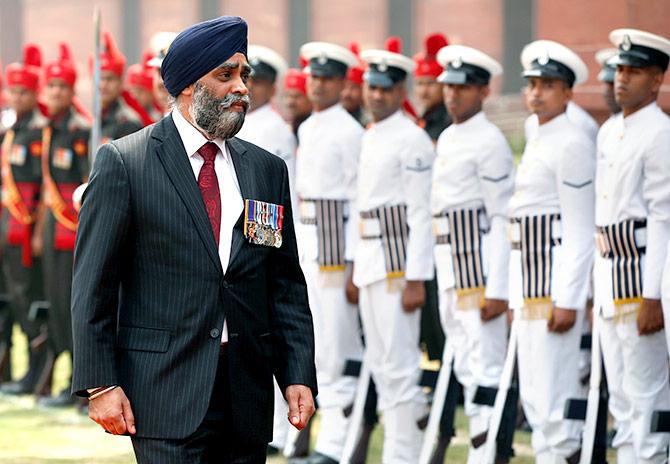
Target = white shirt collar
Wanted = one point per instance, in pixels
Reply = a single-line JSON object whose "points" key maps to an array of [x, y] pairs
{"points": [[191, 137]]}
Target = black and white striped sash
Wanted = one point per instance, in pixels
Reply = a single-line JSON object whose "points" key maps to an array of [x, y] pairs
{"points": [[463, 230], [329, 218], [393, 232], [624, 243], [535, 236]]}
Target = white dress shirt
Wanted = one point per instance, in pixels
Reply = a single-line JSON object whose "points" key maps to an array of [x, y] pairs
{"points": [[576, 115], [395, 168], [232, 204], [556, 175], [633, 182], [474, 169], [326, 167], [266, 128]]}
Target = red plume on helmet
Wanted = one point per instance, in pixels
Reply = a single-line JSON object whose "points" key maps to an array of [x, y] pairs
{"points": [[426, 62], [394, 44], [355, 74], [141, 74], [111, 58], [26, 74], [63, 68]]}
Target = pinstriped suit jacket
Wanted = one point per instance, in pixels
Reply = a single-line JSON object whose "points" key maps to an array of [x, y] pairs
{"points": [[149, 296]]}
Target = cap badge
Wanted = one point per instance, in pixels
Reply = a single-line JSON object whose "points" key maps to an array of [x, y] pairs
{"points": [[254, 61], [543, 59], [626, 44], [457, 62], [382, 66], [322, 59]]}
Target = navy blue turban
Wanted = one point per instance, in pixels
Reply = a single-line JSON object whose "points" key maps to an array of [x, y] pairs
{"points": [[201, 48]]}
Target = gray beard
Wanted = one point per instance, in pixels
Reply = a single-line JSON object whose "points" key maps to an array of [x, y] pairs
{"points": [[213, 115]]}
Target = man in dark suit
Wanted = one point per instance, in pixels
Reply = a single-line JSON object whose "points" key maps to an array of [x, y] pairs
{"points": [[183, 307]]}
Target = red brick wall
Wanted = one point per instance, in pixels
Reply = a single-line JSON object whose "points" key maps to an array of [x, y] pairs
{"points": [[349, 20], [584, 26], [268, 21]]}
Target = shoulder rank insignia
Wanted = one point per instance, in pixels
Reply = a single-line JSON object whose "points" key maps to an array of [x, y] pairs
{"points": [[17, 155], [263, 223], [36, 148]]}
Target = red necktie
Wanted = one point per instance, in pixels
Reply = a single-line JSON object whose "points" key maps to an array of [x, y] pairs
{"points": [[209, 187]]}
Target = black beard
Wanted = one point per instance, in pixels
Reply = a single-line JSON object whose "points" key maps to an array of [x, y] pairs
{"points": [[213, 115]]}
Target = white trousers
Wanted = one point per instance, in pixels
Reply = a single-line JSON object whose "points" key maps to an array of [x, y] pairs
{"points": [[337, 339], [479, 353], [637, 378], [393, 354], [548, 377]]}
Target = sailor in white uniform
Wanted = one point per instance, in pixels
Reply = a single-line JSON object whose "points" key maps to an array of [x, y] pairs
{"points": [[394, 253], [551, 230], [633, 228], [327, 161], [263, 125], [473, 180]]}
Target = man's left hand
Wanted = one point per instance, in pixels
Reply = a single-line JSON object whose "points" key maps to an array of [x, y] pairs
{"points": [[413, 296], [300, 405], [650, 319]]}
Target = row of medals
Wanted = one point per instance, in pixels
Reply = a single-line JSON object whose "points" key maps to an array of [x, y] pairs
{"points": [[260, 234]]}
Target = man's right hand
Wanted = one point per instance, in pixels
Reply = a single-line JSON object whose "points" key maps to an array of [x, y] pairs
{"points": [[112, 411], [351, 290]]}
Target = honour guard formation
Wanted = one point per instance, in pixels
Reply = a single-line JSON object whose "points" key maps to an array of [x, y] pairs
{"points": [[447, 276]]}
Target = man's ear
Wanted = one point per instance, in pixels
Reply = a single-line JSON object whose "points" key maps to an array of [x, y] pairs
{"points": [[188, 91]]}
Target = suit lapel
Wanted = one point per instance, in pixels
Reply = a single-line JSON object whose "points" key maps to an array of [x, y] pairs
{"points": [[245, 182], [178, 168]]}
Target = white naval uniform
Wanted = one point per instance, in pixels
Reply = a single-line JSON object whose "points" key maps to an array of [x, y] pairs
{"points": [[576, 115], [474, 169], [266, 128], [395, 169], [555, 177], [633, 182], [327, 160]]}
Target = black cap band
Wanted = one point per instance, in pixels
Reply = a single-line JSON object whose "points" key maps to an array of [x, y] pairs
{"points": [[639, 56], [385, 76], [552, 69], [326, 67], [263, 71], [464, 73]]}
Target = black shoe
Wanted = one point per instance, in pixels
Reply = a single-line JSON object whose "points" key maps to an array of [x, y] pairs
{"points": [[64, 400], [17, 388], [316, 458], [272, 451]]}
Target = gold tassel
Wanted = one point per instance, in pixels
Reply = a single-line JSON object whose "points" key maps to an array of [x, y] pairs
{"points": [[626, 310], [332, 278], [470, 298], [537, 308]]}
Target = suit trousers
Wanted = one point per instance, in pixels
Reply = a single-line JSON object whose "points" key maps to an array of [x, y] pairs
{"points": [[211, 442]]}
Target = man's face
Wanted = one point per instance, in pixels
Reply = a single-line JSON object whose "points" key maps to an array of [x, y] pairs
{"points": [[111, 87], [324, 92], [297, 104], [636, 87], [464, 101], [610, 100], [58, 95], [219, 100], [161, 95], [21, 99], [261, 92], [427, 91], [143, 96], [352, 96], [547, 98], [383, 102]]}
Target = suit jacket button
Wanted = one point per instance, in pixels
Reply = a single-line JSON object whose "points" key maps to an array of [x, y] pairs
{"points": [[224, 283], [214, 333]]}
